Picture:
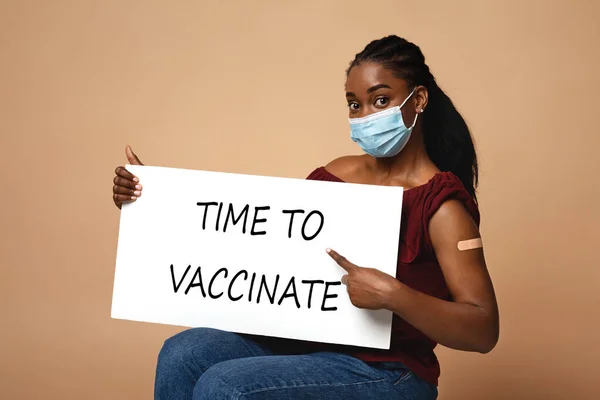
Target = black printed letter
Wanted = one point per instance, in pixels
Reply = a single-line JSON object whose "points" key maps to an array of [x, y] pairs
{"points": [[231, 284], [206, 205], [312, 283], [218, 217], [329, 296], [251, 286], [292, 284], [258, 221], [263, 283], [306, 220], [210, 293], [236, 220], [192, 284], [291, 212], [176, 287]]}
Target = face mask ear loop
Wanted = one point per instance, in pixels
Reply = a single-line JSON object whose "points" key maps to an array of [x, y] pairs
{"points": [[405, 100], [415, 122], [417, 114]]}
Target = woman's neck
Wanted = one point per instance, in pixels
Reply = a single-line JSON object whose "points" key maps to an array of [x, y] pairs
{"points": [[412, 164]]}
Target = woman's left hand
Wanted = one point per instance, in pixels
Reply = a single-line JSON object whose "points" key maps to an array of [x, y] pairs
{"points": [[368, 288]]}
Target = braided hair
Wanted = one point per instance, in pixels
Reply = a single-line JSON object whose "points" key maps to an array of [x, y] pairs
{"points": [[447, 138]]}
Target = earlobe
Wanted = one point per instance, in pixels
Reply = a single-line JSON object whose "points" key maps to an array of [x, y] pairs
{"points": [[422, 97]]}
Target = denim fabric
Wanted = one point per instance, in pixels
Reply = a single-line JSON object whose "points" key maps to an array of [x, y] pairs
{"points": [[204, 363]]}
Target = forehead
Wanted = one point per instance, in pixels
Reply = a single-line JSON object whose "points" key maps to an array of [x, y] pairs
{"points": [[368, 74]]}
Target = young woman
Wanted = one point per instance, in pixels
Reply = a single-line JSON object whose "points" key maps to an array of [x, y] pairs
{"points": [[415, 138]]}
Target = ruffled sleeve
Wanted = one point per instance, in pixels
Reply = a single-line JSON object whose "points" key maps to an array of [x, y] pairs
{"points": [[321, 174], [446, 187], [420, 204]]}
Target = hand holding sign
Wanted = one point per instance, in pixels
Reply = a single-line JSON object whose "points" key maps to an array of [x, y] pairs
{"points": [[367, 288], [127, 187]]}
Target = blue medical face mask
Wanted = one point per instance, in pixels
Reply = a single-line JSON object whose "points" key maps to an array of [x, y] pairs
{"points": [[382, 134]]}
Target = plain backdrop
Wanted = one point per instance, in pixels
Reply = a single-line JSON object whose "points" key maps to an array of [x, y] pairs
{"points": [[258, 87]]}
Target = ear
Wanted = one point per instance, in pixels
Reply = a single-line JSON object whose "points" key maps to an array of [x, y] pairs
{"points": [[421, 96]]}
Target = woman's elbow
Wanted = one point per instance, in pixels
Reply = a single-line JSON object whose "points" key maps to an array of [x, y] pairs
{"points": [[487, 347], [488, 341]]}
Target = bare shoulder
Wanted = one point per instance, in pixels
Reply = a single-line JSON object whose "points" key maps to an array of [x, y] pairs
{"points": [[347, 166]]}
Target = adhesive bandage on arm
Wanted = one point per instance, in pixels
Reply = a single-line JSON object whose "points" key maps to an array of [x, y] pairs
{"points": [[470, 244]]}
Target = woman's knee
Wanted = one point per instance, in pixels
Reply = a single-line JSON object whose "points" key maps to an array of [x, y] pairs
{"points": [[201, 346], [187, 346], [182, 360], [219, 382]]}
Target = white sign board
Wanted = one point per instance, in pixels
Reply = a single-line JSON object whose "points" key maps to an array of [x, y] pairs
{"points": [[246, 254]]}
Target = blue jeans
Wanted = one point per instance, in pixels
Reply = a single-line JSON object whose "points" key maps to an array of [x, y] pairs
{"points": [[202, 363]]}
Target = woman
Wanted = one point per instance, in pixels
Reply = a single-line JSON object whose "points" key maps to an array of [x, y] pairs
{"points": [[413, 137]]}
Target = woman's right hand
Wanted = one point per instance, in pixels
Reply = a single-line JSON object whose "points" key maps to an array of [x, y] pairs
{"points": [[127, 187]]}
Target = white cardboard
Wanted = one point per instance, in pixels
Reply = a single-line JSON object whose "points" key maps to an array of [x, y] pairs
{"points": [[164, 227]]}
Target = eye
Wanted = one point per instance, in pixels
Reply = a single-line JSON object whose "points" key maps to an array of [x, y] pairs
{"points": [[353, 106], [382, 101]]}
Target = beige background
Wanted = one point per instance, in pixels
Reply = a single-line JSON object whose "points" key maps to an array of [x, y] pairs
{"points": [[257, 87]]}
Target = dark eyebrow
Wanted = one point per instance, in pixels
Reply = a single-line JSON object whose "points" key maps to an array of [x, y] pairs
{"points": [[371, 89], [377, 87]]}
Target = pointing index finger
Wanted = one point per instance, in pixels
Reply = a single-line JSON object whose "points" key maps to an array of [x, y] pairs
{"points": [[341, 260]]}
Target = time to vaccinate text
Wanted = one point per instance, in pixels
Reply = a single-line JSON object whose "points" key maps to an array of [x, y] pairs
{"points": [[245, 285]]}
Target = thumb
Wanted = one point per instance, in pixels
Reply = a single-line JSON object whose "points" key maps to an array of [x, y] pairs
{"points": [[131, 157]]}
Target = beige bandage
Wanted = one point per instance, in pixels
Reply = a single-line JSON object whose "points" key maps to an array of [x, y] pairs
{"points": [[470, 244]]}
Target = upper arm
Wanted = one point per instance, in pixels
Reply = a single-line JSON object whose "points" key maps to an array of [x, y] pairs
{"points": [[465, 272]]}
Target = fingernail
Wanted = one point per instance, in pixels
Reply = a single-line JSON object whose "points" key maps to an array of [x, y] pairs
{"points": [[328, 250], [135, 179], [137, 193], [138, 186], [133, 197]]}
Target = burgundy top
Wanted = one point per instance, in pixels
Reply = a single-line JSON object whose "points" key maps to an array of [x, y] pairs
{"points": [[417, 267]]}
